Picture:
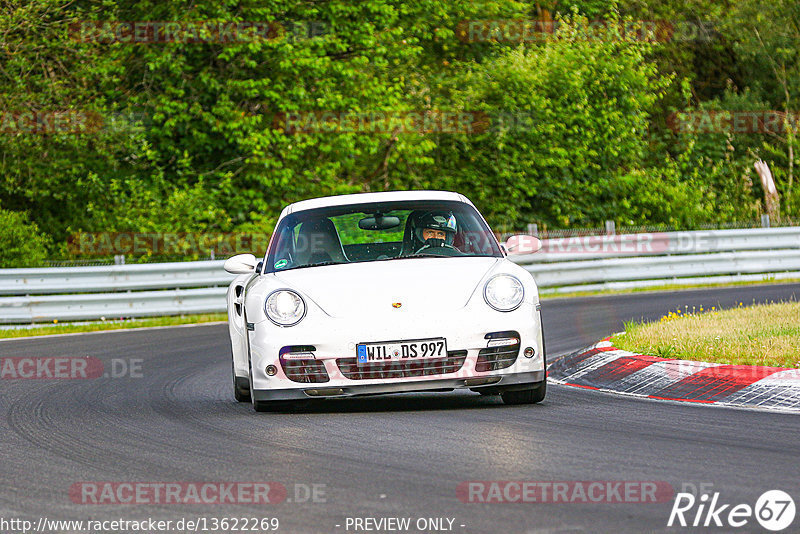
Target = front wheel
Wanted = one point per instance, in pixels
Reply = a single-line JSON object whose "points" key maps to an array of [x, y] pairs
{"points": [[525, 396], [241, 386], [274, 405], [241, 389]]}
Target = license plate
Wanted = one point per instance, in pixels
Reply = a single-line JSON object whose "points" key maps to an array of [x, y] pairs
{"points": [[419, 349]]}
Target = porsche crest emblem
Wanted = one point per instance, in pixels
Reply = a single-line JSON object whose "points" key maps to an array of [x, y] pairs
{"points": [[396, 304]]}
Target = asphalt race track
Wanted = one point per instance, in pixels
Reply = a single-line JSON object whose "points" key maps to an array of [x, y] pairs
{"points": [[393, 456]]}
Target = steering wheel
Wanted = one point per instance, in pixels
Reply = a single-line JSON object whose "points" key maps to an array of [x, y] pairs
{"points": [[456, 252]]}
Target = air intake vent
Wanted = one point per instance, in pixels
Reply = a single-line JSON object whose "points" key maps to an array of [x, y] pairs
{"points": [[402, 369], [299, 365], [502, 351]]}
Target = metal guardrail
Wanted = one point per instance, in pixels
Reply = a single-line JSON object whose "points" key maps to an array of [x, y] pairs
{"points": [[662, 243], [111, 278], [139, 290], [684, 267], [626, 261], [565, 264], [112, 305]]}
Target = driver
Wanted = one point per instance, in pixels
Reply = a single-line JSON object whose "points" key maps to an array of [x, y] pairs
{"points": [[436, 230]]}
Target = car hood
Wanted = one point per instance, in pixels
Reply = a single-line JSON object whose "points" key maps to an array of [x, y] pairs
{"points": [[419, 285]]}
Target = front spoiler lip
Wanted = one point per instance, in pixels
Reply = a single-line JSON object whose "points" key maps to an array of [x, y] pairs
{"points": [[510, 381]]}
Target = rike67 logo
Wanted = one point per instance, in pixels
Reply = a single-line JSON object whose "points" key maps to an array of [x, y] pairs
{"points": [[774, 510]]}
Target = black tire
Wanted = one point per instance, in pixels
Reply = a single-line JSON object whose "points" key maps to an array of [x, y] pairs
{"points": [[241, 386], [267, 406], [525, 396], [272, 406], [241, 389]]}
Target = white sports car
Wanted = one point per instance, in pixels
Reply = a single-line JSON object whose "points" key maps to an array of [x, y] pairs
{"points": [[383, 293]]}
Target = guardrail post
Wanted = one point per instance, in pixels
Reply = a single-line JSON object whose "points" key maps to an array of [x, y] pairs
{"points": [[765, 220], [533, 229], [119, 259], [611, 228]]}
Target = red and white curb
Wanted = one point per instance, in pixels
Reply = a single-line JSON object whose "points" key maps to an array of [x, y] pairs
{"points": [[604, 367]]}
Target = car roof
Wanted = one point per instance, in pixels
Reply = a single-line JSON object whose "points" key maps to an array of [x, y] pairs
{"points": [[366, 198]]}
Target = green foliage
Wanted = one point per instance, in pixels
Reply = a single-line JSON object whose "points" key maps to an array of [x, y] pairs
{"points": [[188, 136], [575, 136], [737, 55], [767, 38], [21, 243]]}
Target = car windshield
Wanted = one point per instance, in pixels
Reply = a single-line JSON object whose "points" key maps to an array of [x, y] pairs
{"points": [[378, 232]]}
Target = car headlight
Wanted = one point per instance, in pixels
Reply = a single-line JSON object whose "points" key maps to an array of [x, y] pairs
{"points": [[285, 307], [504, 292]]}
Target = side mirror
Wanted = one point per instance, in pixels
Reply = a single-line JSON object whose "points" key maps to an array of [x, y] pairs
{"points": [[240, 264], [523, 244]]}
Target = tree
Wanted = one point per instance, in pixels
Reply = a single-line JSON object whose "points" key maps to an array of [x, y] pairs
{"points": [[21, 242], [767, 36]]}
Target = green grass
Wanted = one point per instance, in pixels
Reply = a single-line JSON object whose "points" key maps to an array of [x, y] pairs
{"points": [[51, 329], [764, 334], [666, 287]]}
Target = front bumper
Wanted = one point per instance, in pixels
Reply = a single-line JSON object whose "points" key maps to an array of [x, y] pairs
{"points": [[335, 339], [311, 391]]}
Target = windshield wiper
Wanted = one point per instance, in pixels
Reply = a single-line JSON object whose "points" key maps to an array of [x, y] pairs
{"points": [[423, 255], [324, 263], [310, 265]]}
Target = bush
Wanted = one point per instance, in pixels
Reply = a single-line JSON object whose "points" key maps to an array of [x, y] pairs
{"points": [[579, 109], [21, 243]]}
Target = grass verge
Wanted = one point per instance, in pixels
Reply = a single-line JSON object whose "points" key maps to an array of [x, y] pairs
{"points": [[543, 294], [766, 334], [74, 328]]}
